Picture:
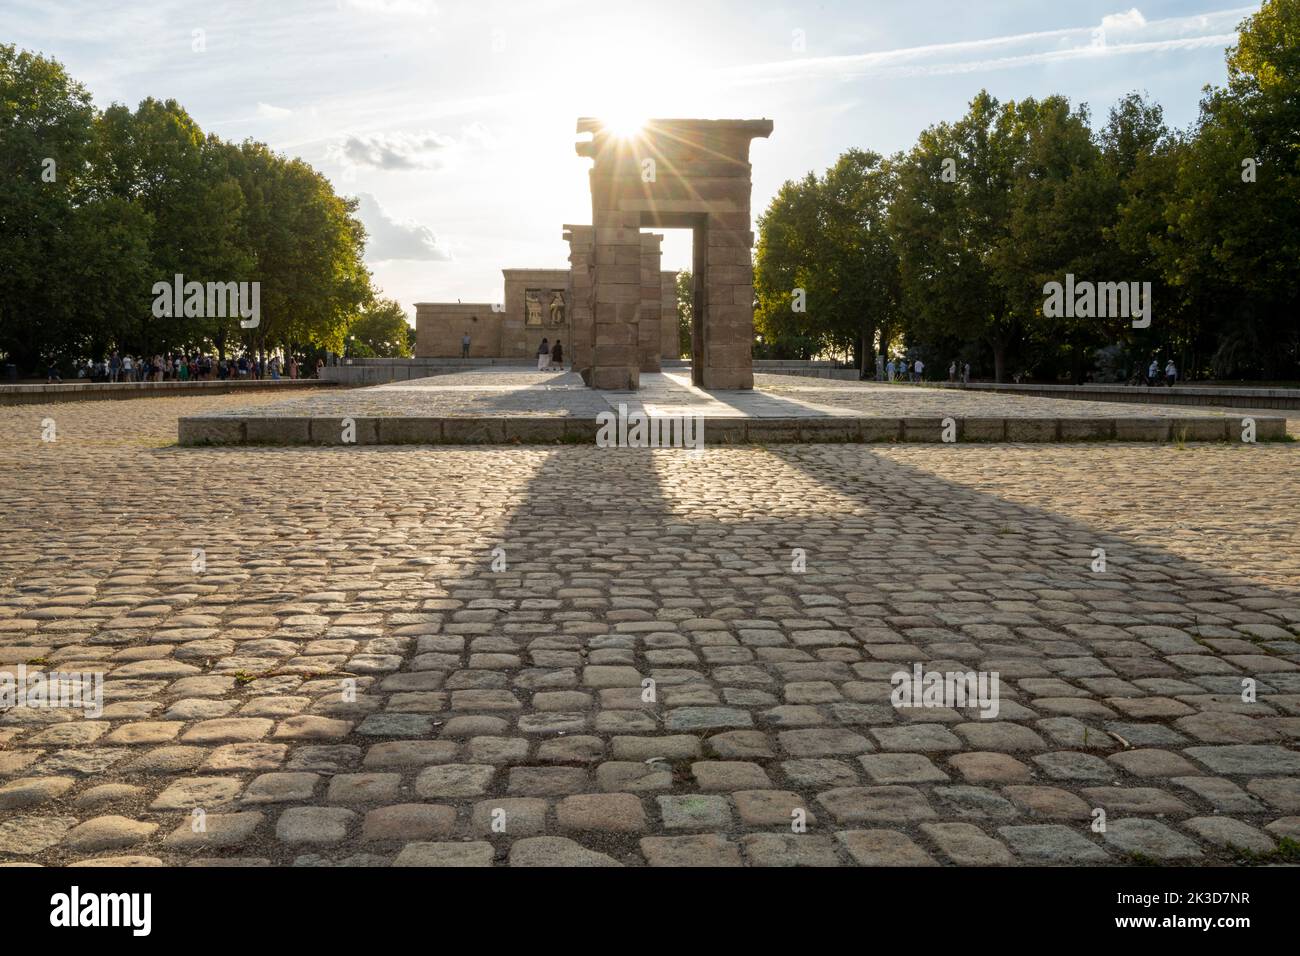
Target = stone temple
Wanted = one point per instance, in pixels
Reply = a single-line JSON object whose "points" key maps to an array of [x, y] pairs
{"points": [[614, 308]]}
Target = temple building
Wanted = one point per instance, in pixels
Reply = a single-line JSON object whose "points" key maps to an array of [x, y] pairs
{"points": [[614, 308]]}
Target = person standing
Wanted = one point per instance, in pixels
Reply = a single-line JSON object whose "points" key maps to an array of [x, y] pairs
{"points": [[543, 355], [1153, 370], [889, 370], [918, 369], [1171, 373], [557, 356], [965, 374], [952, 371], [464, 345]]}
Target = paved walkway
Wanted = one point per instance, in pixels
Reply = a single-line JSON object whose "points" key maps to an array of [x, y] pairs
{"points": [[346, 677]]}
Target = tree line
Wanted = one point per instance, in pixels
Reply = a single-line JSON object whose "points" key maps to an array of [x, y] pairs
{"points": [[99, 206], [946, 251]]}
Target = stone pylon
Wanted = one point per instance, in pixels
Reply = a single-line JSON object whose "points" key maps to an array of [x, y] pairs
{"points": [[673, 173]]}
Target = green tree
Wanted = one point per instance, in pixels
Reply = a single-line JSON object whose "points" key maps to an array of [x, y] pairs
{"points": [[305, 245], [1233, 243], [45, 128], [380, 331], [1061, 200], [685, 287], [158, 159], [951, 215], [786, 259]]}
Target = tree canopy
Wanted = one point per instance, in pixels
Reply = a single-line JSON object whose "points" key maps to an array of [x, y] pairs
{"points": [[97, 206], [945, 250]]}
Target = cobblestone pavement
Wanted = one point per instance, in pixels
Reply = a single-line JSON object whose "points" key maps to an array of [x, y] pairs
{"points": [[500, 715], [505, 391]]}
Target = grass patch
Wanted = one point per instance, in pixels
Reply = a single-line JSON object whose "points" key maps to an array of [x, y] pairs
{"points": [[1286, 851]]}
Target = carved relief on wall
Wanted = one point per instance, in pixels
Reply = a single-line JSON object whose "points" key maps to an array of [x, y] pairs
{"points": [[532, 307], [543, 304]]}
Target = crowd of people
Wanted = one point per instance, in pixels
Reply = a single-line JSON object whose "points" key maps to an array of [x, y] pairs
{"points": [[902, 370], [913, 371], [178, 367]]}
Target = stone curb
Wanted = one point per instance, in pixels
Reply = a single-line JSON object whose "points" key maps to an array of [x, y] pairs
{"points": [[1278, 398], [531, 430], [111, 391]]}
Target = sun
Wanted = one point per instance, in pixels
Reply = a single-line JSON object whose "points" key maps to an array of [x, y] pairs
{"points": [[625, 124]]}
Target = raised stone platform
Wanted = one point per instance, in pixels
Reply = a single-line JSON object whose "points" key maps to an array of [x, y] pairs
{"points": [[497, 405]]}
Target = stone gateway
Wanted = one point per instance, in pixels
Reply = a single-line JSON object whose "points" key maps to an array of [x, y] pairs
{"points": [[614, 304]]}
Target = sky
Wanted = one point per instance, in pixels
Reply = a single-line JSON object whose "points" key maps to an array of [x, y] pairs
{"points": [[452, 121]]}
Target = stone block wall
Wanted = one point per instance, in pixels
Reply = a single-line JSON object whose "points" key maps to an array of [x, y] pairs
{"points": [[581, 240], [650, 322], [497, 330], [440, 325]]}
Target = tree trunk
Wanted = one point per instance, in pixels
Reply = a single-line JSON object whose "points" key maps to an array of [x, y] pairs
{"points": [[999, 360]]}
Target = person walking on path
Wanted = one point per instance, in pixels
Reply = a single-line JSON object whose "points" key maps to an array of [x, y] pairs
{"points": [[543, 355], [557, 356]]}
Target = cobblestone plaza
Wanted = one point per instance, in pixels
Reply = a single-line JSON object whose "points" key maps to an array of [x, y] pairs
{"points": [[562, 654]]}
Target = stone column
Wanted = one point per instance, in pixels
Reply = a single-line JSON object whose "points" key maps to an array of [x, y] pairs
{"points": [[729, 293], [651, 315], [581, 241], [615, 355]]}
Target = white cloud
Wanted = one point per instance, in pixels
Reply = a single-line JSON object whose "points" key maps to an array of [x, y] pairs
{"points": [[1119, 21], [1139, 36], [392, 151], [409, 8], [267, 111], [399, 152], [396, 239]]}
